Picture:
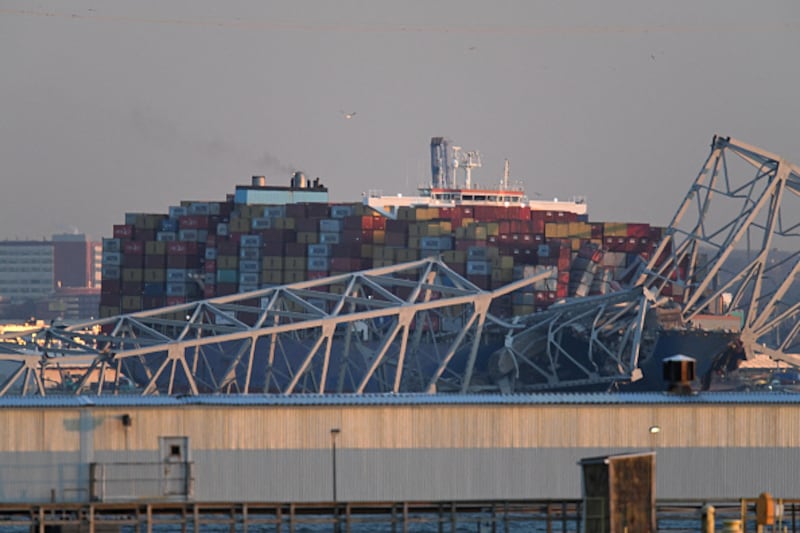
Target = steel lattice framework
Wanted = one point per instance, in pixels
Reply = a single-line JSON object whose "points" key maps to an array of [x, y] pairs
{"points": [[411, 327], [744, 200]]}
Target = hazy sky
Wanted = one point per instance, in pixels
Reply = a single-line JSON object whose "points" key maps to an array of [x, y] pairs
{"points": [[115, 107]]}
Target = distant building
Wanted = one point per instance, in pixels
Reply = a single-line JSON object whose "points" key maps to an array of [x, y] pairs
{"points": [[59, 278]]}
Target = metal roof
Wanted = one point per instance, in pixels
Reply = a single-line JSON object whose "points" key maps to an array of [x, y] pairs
{"points": [[300, 400]]}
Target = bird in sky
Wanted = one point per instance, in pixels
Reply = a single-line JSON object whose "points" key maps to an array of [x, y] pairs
{"points": [[348, 116]]}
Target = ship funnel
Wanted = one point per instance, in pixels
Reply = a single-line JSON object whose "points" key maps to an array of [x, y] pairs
{"points": [[679, 372], [259, 181], [298, 180]]}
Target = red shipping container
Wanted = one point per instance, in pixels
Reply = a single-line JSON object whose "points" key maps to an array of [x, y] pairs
{"points": [[210, 266], [109, 286], [209, 291], [193, 222], [638, 230], [316, 274], [124, 231], [175, 300], [133, 247], [211, 240], [184, 248]]}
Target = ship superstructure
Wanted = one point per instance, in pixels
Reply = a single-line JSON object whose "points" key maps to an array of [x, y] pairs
{"points": [[446, 189]]}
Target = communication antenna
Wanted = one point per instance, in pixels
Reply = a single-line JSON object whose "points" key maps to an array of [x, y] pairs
{"points": [[469, 161], [505, 175]]}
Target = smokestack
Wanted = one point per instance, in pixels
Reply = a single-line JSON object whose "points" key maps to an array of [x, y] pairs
{"points": [[679, 372], [259, 181]]}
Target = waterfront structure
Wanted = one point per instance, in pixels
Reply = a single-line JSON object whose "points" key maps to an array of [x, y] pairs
{"points": [[272, 448], [59, 278]]}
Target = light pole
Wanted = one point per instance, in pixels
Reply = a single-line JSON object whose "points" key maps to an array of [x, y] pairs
{"points": [[334, 433]]}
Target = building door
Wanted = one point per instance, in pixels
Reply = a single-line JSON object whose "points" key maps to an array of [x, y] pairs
{"points": [[175, 480]]}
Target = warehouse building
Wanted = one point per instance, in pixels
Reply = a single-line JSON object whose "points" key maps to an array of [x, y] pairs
{"points": [[315, 448]]}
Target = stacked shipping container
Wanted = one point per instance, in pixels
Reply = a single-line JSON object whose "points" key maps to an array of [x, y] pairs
{"points": [[206, 249]]}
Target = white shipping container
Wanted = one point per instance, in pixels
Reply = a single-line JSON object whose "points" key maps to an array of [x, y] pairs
{"points": [[110, 272], [112, 258], [112, 245], [249, 278], [330, 238], [166, 236], [176, 211], [249, 265], [250, 241]]}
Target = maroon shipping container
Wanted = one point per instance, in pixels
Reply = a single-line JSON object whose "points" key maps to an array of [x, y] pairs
{"points": [[175, 300], [132, 288], [395, 239], [209, 291], [185, 248], [132, 261], [110, 300], [210, 266], [227, 247], [295, 249], [110, 286], [397, 226], [224, 289], [133, 247], [271, 236], [356, 236], [194, 222], [346, 250], [124, 231], [317, 274], [183, 261], [346, 264], [297, 211], [317, 210], [307, 225], [155, 261]]}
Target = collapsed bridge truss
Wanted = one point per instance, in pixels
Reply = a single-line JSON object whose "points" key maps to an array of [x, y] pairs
{"points": [[411, 327]]}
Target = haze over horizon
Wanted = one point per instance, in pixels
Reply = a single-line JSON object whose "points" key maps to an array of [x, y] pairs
{"points": [[115, 107]]}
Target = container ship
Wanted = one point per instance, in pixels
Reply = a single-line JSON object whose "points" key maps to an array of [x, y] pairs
{"points": [[267, 235]]}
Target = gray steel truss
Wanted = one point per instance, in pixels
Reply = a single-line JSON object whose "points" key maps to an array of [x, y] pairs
{"points": [[413, 327], [743, 208]]}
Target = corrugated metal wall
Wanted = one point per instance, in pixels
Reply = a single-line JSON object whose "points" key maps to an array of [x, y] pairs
{"points": [[411, 452]]}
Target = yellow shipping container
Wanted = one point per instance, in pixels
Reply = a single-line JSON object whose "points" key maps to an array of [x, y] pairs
{"points": [[239, 225], [404, 255], [379, 236], [293, 264], [273, 277], [294, 276], [413, 242], [615, 229], [155, 248], [506, 262], [502, 275], [453, 257], [272, 262], [132, 274], [284, 223], [366, 250], [108, 310], [227, 262], [131, 303], [155, 275], [307, 237], [493, 229]]}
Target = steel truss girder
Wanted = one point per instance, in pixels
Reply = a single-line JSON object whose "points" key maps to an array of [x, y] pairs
{"points": [[743, 198], [413, 327], [592, 341]]}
